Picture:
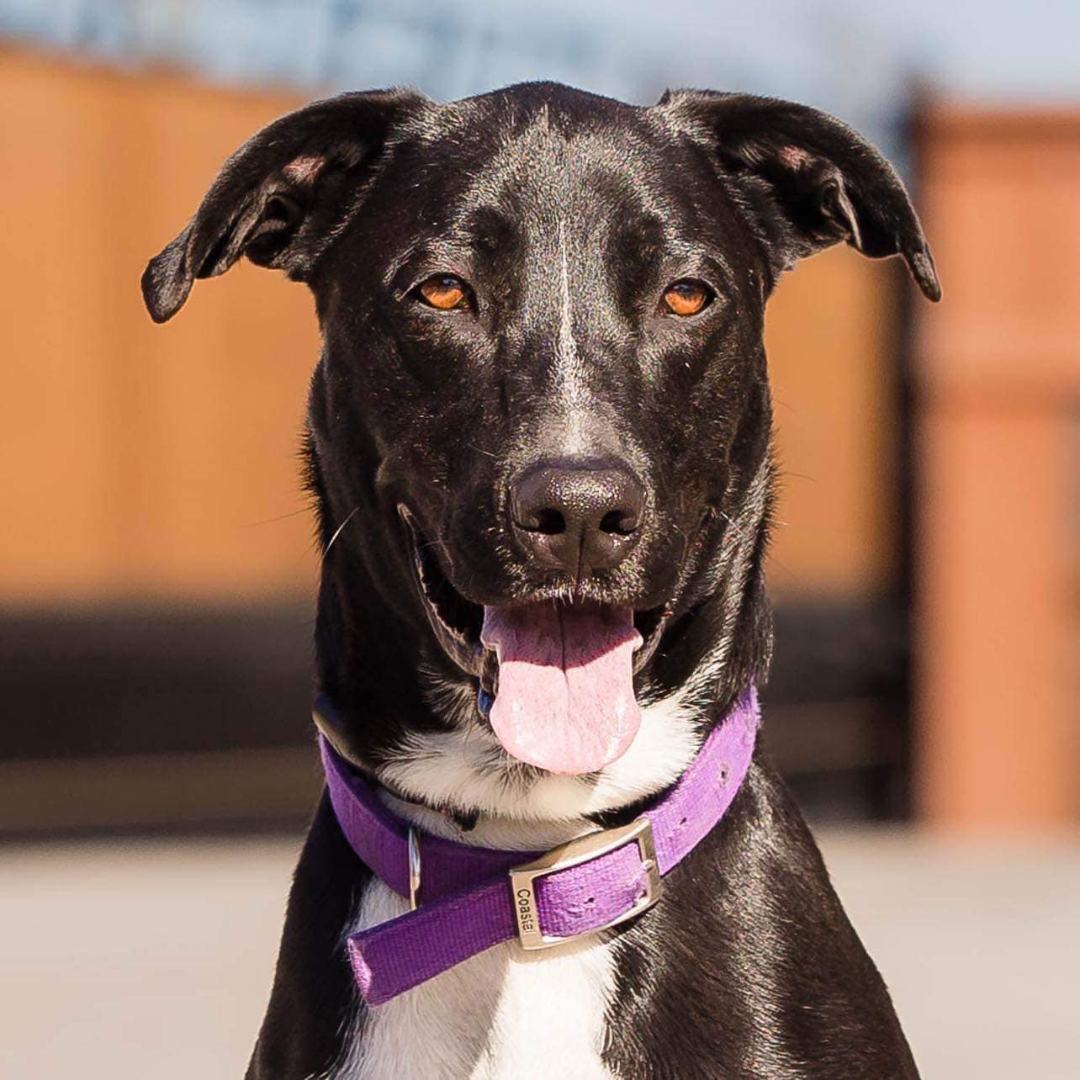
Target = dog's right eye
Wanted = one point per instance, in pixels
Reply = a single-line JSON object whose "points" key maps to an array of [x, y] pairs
{"points": [[444, 292], [687, 297]]}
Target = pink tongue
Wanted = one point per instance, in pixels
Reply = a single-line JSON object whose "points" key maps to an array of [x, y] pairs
{"points": [[565, 700]]}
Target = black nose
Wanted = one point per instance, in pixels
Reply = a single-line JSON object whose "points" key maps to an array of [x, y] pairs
{"points": [[577, 514]]}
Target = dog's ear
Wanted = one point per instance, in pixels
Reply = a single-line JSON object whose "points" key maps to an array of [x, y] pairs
{"points": [[827, 182], [278, 198]]}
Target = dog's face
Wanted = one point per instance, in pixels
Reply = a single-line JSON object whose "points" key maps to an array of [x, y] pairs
{"points": [[542, 408], [564, 322]]}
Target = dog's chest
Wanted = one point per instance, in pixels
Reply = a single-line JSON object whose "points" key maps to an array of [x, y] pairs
{"points": [[502, 1015]]}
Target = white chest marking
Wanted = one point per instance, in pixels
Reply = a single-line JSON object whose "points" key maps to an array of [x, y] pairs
{"points": [[502, 1015]]}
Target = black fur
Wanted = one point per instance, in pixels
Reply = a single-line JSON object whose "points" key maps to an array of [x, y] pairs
{"points": [[749, 967]]}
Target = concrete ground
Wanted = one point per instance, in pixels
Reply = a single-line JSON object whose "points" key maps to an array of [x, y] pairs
{"points": [[137, 959]]}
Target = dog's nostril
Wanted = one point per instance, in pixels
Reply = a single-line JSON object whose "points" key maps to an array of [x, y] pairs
{"points": [[619, 522], [550, 522]]}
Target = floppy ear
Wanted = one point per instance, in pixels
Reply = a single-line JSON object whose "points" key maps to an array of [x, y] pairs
{"points": [[278, 198], [827, 182]]}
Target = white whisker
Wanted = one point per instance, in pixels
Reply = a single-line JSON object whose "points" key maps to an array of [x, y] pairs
{"points": [[337, 532]]}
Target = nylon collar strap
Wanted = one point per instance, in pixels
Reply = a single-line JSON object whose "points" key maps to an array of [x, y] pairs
{"points": [[469, 899]]}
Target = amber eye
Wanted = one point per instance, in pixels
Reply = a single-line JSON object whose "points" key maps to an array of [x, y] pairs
{"points": [[687, 297], [444, 292]]}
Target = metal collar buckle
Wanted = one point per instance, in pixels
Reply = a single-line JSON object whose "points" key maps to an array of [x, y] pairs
{"points": [[582, 850]]}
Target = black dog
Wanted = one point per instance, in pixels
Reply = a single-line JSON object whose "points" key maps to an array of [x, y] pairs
{"points": [[542, 416]]}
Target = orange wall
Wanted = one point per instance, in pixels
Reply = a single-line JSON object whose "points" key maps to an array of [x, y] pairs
{"points": [[136, 458], [161, 461], [830, 334], [998, 450]]}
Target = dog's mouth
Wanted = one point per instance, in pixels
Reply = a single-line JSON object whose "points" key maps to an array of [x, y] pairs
{"points": [[555, 676]]}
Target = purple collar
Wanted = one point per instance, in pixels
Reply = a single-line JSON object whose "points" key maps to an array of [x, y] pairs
{"points": [[467, 899]]}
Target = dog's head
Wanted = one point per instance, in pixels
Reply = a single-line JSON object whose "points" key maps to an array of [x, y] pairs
{"points": [[541, 419]]}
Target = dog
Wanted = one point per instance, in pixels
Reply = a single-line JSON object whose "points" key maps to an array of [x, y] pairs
{"points": [[538, 443]]}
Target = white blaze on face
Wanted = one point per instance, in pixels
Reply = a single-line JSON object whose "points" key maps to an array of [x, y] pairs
{"points": [[565, 700]]}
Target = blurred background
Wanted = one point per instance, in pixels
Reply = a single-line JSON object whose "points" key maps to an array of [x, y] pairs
{"points": [[157, 563]]}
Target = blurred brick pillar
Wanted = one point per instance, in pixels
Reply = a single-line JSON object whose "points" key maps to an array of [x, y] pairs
{"points": [[998, 384]]}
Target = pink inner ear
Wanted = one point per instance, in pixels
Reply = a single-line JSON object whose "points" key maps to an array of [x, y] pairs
{"points": [[304, 169], [794, 157]]}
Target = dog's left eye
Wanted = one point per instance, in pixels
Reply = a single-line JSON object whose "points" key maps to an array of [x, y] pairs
{"points": [[687, 297], [445, 292]]}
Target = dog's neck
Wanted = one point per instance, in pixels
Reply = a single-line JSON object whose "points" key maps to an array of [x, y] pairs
{"points": [[419, 733]]}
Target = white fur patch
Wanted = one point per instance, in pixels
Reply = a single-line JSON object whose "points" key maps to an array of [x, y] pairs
{"points": [[504, 1014]]}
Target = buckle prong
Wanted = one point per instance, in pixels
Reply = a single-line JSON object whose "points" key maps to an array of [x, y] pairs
{"points": [[583, 849], [415, 868]]}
